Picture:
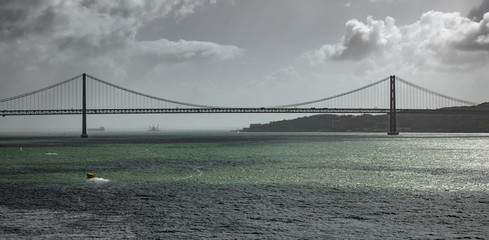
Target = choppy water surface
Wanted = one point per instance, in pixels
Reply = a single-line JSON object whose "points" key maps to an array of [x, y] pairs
{"points": [[227, 185]]}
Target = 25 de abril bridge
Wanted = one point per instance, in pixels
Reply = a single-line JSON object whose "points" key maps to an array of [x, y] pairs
{"points": [[85, 94]]}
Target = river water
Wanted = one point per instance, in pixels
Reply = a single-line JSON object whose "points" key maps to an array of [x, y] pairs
{"points": [[245, 186]]}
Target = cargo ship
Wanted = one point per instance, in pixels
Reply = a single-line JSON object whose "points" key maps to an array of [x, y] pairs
{"points": [[100, 129], [153, 128]]}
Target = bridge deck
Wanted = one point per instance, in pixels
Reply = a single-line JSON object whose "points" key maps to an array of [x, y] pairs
{"points": [[465, 110]]}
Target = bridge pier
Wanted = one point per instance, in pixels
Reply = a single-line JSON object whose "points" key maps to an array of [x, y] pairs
{"points": [[392, 112], [84, 110]]}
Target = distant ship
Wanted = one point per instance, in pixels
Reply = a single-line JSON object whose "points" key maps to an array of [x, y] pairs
{"points": [[96, 129], [153, 128]]}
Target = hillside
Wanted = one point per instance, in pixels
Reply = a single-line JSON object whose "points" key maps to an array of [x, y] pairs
{"points": [[380, 123]]}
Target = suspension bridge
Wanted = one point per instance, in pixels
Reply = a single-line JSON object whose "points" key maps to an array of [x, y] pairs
{"points": [[85, 94]]}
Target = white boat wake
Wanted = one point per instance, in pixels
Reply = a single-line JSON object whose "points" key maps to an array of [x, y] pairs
{"points": [[97, 180], [197, 169]]}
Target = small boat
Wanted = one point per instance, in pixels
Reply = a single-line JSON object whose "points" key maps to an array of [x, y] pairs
{"points": [[90, 175]]}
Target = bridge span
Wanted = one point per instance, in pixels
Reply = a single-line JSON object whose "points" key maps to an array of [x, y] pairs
{"points": [[85, 94]]}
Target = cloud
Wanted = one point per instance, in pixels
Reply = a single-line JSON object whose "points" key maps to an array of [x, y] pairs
{"points": [[182, 50], [359, 41], [437, 40], [97, 34], [140, 56], [283, 76], [383, 1], [477, 13], [90, 18], [23, 16], [365, 66]]}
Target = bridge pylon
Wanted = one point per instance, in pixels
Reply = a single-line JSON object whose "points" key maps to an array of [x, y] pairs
{"points": [[84, 109], [392, 112]]}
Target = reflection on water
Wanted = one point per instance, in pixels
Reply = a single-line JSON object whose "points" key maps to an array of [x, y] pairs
{"points": [[224, 185]]}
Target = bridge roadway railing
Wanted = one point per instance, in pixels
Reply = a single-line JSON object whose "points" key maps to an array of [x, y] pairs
{"points": [[461, 110], [190, 110]]}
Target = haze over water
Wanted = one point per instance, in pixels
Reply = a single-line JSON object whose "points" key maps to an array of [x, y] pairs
{"points": [[247, 185]]}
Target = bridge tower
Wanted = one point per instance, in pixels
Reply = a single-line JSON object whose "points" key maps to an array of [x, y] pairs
{"points": [[84, 110], [392, 113]]}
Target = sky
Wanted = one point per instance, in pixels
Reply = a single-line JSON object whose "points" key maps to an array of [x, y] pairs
{"points": [[239, 52]]}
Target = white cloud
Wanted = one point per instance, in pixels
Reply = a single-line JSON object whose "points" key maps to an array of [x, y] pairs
{"points": [[169, 51], [359, 41], [438, 40]]}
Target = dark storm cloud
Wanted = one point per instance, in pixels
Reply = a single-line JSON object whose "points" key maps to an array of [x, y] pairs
{"points": [[122, 9], [98, 35], [23, 17], [477, 13]]}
